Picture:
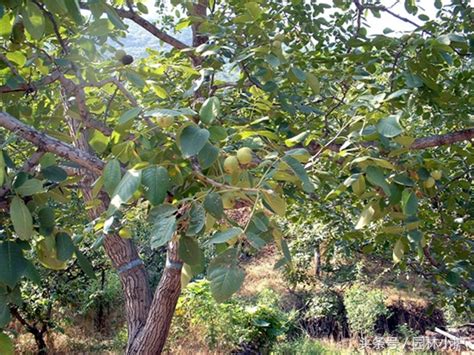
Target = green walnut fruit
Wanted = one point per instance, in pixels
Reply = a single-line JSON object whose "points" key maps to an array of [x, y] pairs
{"points": [[18, 32], [228, 200], [244, 155], [125, 233], [429, 183], [231, 165], [437, 174], [164, 121], [120, 54]]}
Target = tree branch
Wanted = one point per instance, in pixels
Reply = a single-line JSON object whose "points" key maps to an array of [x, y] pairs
{"points": [[31, 87], [49, 144], [420, 143]]}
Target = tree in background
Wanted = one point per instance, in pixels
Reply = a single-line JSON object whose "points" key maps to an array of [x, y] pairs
{"points": [[316, 100]]}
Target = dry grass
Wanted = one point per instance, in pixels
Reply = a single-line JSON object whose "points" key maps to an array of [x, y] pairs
{"points": [[260, 274]]}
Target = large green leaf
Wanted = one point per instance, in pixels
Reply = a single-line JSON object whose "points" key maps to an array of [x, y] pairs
{"points": [[47, 220], [366, 216], [389, 127], [85, 264], [112, 176], [225, 275], [34, 20], [276, 202], [64, 246], [376, 177], [208, 155], [30, 187], [156, 182], [197, 219], [300, 172], [163, 219], [409, 202], [6, 344], [213, 204], [128, 115], [189, 251], [192, 139], [21, 218], [224, 236], [125, 190], [74, 11], [54, 173], [210, 109], [12, 263]]}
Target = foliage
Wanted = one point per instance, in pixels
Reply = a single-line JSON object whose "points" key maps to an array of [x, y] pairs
{"points": [[329, 112], [232, 324], [324, 304], [303, 345], [364, 307]]}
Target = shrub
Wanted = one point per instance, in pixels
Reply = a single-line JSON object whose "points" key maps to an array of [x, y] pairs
{"points": [[364, 307], [232, 324]]}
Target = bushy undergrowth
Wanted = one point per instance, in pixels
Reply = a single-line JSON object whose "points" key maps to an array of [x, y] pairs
{"points": [[300, 346], [230, 325], [364, 306]]}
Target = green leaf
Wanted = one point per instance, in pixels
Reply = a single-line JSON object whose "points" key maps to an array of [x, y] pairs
{"points": [[197, 220], [30, 187], [254, 9], [299, 171], [222, 237], [54, 173], [5, 318], [73, 10], [313, 83], [192, 139], [156, 182], [210, 110], [213, 204], [164, 225], [129, 115], [409, 203], [365, 217], [208, 155], [114, 17], [98, 141], [290, 142], [125, 190], [285, 250], [225, 275], [34, 20], [358, 186], [47, 220], [276, 202], [376, 177], [85, 264], [21, 218], [64, 246], [398, 251], [32, 274], [6, 345], [189, 251], [390, 127], [12, 263], [135, 78], [112, 176]]}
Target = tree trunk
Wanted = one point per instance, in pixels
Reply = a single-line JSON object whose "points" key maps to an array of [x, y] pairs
{"points": [[152, 338], [317, 261]]}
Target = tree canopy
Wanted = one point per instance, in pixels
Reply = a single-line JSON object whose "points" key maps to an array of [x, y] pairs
{"points": [[273, 103]]}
